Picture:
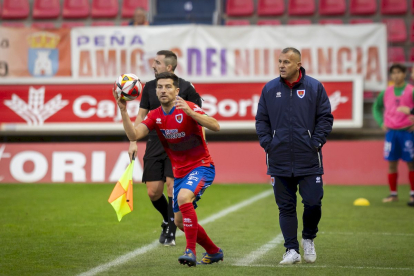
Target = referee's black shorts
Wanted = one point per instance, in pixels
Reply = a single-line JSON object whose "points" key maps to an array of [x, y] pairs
{"points": [[157, 168]]}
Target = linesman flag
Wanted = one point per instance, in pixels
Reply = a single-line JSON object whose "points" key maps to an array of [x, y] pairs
{"points": [[121, 196]]}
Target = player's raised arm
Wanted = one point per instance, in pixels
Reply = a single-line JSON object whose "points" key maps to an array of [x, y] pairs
{"points": [[133, 133], [205, 121]]}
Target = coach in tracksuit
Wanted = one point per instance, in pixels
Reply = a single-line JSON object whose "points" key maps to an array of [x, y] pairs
{"points": [[293, 120]]}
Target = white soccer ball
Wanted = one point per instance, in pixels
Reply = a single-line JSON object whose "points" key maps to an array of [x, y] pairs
{"points": [[128, 87]]}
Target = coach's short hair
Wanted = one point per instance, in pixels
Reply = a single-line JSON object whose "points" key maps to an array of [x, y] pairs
{"points": [[170, 58], [398, 66], [296, 51], [168, 75]]}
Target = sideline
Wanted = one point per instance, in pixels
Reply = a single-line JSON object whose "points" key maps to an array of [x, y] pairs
{"points": [[254, 255], [142, 250]]}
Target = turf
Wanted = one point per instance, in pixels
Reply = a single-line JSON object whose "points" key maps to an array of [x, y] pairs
{"points": [[66, 229]]}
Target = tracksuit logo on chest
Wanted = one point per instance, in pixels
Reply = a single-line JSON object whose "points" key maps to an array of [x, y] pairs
{"points": [[301, 93]]}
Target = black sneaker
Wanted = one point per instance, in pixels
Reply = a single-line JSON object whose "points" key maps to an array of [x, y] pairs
{"points": [[169, 241], [164, 232], [411, 202]]}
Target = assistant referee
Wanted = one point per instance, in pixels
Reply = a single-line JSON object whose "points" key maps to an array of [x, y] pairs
{"points": [[157, 165]]}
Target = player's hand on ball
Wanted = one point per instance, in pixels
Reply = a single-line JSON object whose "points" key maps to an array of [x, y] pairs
{"points": [[181, 104], [132, 151], [121, 103]]}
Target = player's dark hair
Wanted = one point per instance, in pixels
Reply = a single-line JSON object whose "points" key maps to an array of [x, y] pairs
{"points": [[168, 75], [294, 50], [170, 58], [398, 66]]}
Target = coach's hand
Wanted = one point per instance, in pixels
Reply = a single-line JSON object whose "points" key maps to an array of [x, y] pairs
{"points": [[121, 103], [181, 104], [132, 151]]}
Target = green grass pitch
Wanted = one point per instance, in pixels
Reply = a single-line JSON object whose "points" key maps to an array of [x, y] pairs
{"points": [[62, 229]]}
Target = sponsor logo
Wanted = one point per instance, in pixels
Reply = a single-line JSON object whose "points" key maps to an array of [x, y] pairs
{"points": [[43, 57], [179, 118], [336, 99], [191, 177], [187, 220], [318, 179], [158, 121], [301, 93], [36, 111], [172, 133], [278, 94], [189, 183], [272, 180]]}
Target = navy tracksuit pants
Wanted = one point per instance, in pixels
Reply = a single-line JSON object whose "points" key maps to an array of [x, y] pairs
{"points": [[311, 190]]}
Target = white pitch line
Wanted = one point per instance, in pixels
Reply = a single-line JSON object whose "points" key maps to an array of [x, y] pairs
{"points": [[368, 233], [333, 266], [254, 255], [142, 250]]}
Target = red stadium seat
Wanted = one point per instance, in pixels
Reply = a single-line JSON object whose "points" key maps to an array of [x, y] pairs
{"points": [[46, 9], [393, 6], [301, 7], [129, 6], [361, 21], [270, 7], [396, 55], [396, 29], [332, 7], [72, 24], [365, 7], [412, 55], [103, 23], [15, 9], [75, 9], [237, 22], [412, 6], [412, 31], [44, 25], [239, 7], [125, 23], [268, 22], [104, 8], [13, 24], [299, 22], [331, 21]]}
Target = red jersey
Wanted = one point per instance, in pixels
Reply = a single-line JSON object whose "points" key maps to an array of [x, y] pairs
{"points": [[182, 138]]}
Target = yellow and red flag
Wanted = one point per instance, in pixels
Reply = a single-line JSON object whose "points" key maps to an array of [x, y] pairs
{"points": [[121, 196]]}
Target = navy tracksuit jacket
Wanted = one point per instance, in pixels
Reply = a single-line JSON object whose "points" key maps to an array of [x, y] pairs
{"points": [[292, 125]]}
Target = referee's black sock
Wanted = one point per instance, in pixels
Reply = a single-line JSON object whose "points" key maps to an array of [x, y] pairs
{"points": [[161, 205], [171, 222]]}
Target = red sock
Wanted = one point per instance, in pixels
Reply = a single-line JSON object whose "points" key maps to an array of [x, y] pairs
{"points": [[190, 225], [411, 177], [392, 181], [204, 240]]}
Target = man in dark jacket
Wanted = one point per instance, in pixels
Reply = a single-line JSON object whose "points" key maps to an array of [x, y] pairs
{"points": [[293, 120]]}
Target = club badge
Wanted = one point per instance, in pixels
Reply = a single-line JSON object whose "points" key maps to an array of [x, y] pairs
{"points": [[301, 93]]}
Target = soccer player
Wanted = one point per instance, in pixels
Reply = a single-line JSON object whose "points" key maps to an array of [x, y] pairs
{"points": [[157, 165], [399, 136], [178, 124]]}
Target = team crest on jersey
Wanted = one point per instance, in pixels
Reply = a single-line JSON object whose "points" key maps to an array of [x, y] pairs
{"points": [[301, 93], [272, 179], [179, 118]]}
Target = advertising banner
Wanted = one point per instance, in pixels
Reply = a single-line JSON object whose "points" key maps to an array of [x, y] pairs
{"points": [[223, 54], [345, 162], [91, 108], [30, 52]]}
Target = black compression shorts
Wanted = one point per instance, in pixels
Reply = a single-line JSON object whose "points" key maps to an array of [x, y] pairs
{"points": [[157, 168]]}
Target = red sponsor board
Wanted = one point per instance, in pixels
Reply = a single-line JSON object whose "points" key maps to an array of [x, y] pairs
{"points": [[61, 107], [345, 162]]}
